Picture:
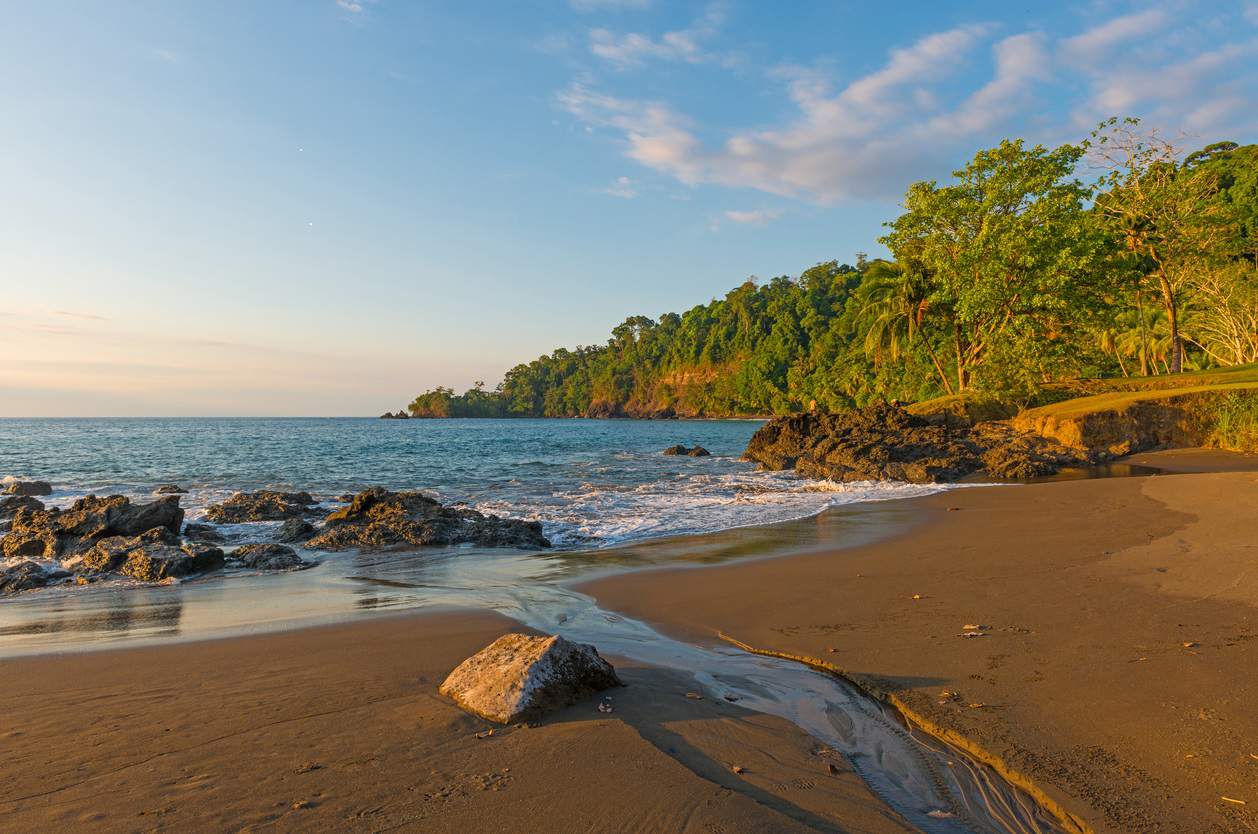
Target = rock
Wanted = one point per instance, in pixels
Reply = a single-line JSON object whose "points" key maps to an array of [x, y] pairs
{"points": [[380, 518], [202, 532], [170, 489], [54, 533], [263, 505], [696, 452], [400, 415], [150, 557], [295, 530], [29, 488], [26, 576], [268, 557], [9, 507], [520, 677], [885, 442]]}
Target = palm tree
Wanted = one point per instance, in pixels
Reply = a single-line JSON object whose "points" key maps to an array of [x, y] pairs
{"points": [[893, 300]]}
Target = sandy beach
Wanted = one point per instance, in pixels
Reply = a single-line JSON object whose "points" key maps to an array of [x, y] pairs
{"points": [[1119, 639], [341, 728], [1113, 675]]}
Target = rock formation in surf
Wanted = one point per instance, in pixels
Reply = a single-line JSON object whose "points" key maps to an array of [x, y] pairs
{"points": [[885, 442], [378, 518]]}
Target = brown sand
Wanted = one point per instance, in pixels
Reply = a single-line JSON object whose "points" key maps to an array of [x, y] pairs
{"points": [[1119, 667], [340, 728]]}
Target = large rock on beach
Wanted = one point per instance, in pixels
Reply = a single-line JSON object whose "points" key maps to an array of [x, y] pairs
{"points": [[169, 489], [378, 518], [885, 442], [55, 533], [26, 576], [268, 556], [262, 505], [521, 677], [150, 557], [202, 533], [29, 488]]}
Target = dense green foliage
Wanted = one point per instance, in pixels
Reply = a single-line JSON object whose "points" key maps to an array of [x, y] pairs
{"points": [[1015, 273]]}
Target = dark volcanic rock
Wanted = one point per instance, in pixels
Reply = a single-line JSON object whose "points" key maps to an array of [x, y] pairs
{"points": [[380, 518], [695, 452], [268, 557], [885, 442], [400, 415], [202, 532], [53, 533], [150, 557], [26, 576], [521, 677], [263, 505], [170, 489], [9, 507], [29, 488], [295, 530]]}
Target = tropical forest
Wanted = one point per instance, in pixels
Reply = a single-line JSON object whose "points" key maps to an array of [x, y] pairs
{"points": [[1124, 255]]}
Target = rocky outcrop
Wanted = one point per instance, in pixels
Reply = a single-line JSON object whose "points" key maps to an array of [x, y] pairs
{"points": [[520, 677], [694, 452], [398, 415], [169, 489], [379, 518], [9, 507], [1128, 422], [295, 530], [885, 442], [202, 533], [27, 576], [268, 557], [263, 505], [28, 488], [55, 534], [150, 557]]}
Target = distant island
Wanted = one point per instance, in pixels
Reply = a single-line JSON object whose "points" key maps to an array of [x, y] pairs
{"points": [[1013, 278]]}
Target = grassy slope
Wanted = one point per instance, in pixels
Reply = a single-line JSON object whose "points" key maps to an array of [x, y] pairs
{"points": [[1218, 407]]}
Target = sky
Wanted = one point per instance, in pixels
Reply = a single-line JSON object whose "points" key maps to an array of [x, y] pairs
{"points": [[324, 207]]}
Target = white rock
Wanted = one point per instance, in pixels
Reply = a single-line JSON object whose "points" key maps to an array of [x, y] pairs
{"points": [[520, 677]]}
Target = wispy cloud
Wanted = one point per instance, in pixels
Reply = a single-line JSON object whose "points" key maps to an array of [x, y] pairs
{"points": [[586, 6], [756, 217], [70, 314], [350, 5], [623, 187], [1095, 43], [910, 118], [632, 48], [167, 55]]}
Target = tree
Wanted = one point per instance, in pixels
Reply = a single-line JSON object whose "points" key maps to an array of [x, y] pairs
{"points": [[1165, 214], [1007, 251]]}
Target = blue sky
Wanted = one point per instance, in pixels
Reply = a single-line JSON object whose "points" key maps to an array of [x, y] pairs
{"points": [[324, 207]]}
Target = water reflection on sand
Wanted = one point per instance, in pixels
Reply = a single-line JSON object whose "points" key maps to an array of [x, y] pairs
{"points": [[343, 586]]}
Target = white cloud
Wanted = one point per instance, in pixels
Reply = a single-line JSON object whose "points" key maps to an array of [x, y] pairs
{"points": [[632, 48], [1096, 43], [350, 5], [166, 55], [757, 217], [908, 120], [586, 6], [623, 187]]}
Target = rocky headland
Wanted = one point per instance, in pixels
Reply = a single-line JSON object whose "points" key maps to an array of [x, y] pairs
{"points": [[886, 442]]}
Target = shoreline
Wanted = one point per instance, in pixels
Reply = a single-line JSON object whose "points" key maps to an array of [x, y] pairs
{"points": [[1082, 682]]}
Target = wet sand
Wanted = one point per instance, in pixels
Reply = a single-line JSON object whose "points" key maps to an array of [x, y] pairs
{"points": [[1118, 667], [341, 728]]}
